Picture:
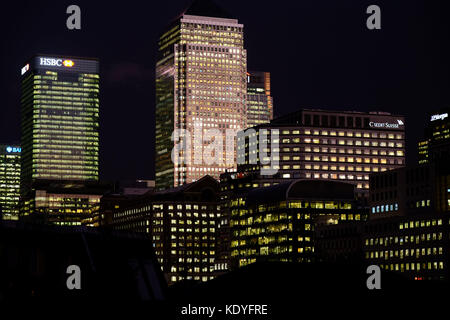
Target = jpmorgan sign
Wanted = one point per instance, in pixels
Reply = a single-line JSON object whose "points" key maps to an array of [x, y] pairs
{"points": [[386, 125], [439, 117], [52, 62]]}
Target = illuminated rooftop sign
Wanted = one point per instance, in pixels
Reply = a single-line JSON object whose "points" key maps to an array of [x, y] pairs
{"points": [[439, 117], [52, 62], [25, 69], [386, 125], [10, 149]]}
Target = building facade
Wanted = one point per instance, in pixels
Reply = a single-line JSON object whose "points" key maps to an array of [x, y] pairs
{"points": [[259, 99], [200, 85], [408, 227], [9, 181], [318, 144], [277, 223], [416, 246], [182, 224], [436, 141], [60, 123]]}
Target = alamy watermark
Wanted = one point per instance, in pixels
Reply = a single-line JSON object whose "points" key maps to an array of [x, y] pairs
{"points": [[212, 146]]}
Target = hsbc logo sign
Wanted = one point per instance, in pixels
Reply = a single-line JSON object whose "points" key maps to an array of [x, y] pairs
{"points": [[52, 62]]}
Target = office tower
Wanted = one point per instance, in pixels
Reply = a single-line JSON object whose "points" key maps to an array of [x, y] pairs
{"points": [[200, 85], [182, 223], [60, 141], [259, 99], [320, 144], [436, 141], [9, 181]]}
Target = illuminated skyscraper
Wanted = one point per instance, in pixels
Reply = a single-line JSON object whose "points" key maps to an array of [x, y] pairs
{"points": [[436, 141], [60, 122], [259, 100], [9, 181], [200, 83]]}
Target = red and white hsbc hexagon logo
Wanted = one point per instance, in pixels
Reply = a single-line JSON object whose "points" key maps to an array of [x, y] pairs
{"points": [[52, 62]]}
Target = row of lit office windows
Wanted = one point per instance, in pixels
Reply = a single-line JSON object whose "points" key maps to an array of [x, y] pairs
{"points": [[413, 239], [54, 100], [414, 266], [385, 208], [404, 253], [53, 93], [357, 134], [69, 125]]}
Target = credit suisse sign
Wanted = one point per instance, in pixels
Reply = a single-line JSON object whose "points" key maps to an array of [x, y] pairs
{"points": [[387, 125]]}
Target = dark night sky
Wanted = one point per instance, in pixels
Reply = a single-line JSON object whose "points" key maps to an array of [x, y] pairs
{"points": [[319, 52]]}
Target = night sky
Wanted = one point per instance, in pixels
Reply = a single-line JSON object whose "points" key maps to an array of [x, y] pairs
{"points": [[320, 54]]}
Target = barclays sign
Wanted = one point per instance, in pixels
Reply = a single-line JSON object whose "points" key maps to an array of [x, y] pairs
{"points": [[10, 149]]}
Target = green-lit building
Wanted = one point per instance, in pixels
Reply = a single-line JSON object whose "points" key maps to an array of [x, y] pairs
{"points": [[277, 223], [60, 124], [9, 181]]}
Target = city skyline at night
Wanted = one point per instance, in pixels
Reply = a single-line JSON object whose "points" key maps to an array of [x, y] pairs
{"points": [[340, 66], [196, 152]]}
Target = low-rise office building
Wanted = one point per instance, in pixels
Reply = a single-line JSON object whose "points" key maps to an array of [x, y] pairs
{"points": [[411, 190], [182, 224], [63, 203], [313, 144], [417, 246], [277, 223]]}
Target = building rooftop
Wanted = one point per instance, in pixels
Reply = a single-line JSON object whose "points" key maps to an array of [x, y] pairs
{"points": [[302, 189]]}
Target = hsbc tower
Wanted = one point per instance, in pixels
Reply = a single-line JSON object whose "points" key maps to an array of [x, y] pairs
{"points": [[59, 120]]}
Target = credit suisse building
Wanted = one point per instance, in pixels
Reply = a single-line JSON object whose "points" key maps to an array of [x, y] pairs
{"points": [[331, 145]]}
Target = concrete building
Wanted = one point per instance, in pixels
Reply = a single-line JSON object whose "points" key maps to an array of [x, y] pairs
{"points": [[313, 144], [182, 224]]}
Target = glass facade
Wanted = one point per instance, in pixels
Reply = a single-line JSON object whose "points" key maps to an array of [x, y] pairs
{"points": [[200, 84], [436, 141], [9, 181], [277, 223], [60, 130], [259, 100], [60, 112]]}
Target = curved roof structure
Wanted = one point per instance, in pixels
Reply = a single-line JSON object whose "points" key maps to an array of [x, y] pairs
{"points": [[302, 189]]}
